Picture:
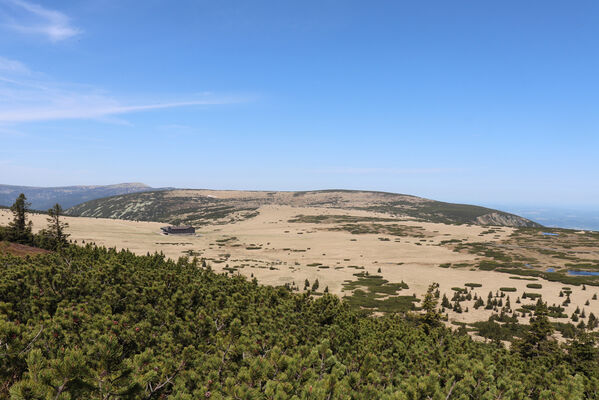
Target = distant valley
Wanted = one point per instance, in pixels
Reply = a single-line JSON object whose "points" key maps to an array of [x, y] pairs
{"points": [[42, 198]]}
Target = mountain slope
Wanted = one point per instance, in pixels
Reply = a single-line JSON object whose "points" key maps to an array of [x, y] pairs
{"points": [[42, 198], [210, 206]]}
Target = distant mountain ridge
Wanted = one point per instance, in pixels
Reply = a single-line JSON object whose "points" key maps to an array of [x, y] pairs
{"points": [[569, 217], [196, 207], [42, 198]]}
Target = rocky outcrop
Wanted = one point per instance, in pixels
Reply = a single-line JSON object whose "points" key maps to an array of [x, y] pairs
{"points": [[505, 219]]}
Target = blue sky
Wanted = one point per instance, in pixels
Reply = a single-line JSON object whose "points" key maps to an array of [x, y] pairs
{"points": [[470, 101]]}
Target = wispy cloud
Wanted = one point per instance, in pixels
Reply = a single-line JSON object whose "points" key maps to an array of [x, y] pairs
{"points": [[8, 132], [24, 99], [12, 66], [97, 108], [31, 18]]}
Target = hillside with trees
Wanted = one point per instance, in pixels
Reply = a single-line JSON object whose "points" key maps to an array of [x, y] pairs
{"points": [[213, 206]]}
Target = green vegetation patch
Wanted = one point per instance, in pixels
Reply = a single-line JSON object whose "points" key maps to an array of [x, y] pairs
{"points": [[336, 219], [484, 249], [494, 331], [533, 296], [552, 276], [473, 285], [367, 302], [534, 285], [520, 278], [374, 293], [225, 240], [437, 211], [387, 229]]}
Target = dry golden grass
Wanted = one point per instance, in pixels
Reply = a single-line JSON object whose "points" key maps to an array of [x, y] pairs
{"points": [[277, 251]]}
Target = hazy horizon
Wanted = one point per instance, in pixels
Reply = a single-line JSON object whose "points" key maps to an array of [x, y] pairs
{"points": [[564, 216]]}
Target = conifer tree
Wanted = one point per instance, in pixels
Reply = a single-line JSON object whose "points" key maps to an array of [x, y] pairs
{"points": [[429, 305], [583, 353], [56, 227], [457, 307], [592, 322], [535, 342], [315, 285], [19, 230], [479, 303], [445, 301]]}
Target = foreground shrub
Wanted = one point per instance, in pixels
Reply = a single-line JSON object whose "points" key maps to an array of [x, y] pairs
{"points": [[93, 323]]}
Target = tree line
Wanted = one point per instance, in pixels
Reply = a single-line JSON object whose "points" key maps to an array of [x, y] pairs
{"points": [[20, 230]]}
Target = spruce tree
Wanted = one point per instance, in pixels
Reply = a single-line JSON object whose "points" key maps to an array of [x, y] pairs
{"points": [[535, 342], [593, 322], [315, 285], [56, 227], [19, 230], [445, 301], [429, 305]]}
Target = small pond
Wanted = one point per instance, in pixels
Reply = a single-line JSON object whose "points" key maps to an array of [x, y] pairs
{"points": [[583, 273]]}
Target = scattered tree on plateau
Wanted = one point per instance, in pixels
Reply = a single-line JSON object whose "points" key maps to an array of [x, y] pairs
{"points": [[19, 230], [56, 227], [431, 316]]}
